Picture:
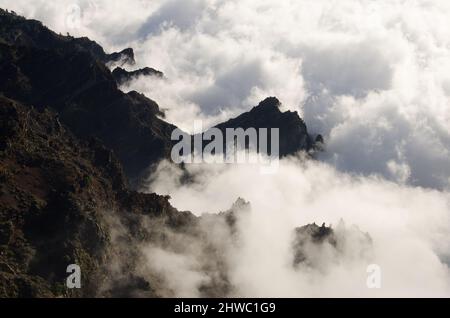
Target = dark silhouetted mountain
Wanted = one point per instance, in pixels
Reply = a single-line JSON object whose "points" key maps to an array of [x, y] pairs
{"points": [[294, 135], [123, 76], [123, 57]]}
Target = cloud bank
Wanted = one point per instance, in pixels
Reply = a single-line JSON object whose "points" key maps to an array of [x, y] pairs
{"points": [[409, 226], [370, 76]]}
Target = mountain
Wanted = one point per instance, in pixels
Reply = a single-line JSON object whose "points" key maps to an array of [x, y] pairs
{"points": [[122, 76], [58, 197], [44, 69], [69, 75], [16, 30], [71, 145], [294, 135]]}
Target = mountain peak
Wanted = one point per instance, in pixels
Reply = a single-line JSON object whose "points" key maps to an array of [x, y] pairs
{"points": [[292, 129], [270, 102]]}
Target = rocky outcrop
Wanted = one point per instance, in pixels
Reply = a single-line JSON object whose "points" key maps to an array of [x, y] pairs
{"points": [[122, 76], [294, 135], [121, 58], [315, 246]]}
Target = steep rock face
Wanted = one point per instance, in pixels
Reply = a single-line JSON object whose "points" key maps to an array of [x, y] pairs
{"points": [[51, 195]]}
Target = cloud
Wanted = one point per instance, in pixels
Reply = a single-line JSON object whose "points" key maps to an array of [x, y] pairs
{"points": [[409, 227], [179, 14], [347, 69], [370, 76]]}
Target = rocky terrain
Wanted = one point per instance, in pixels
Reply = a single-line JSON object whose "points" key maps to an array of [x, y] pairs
{"points": [[57, 197], [72, 147]]}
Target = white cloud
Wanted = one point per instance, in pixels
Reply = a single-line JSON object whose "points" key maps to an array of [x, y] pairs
{"points": [[410, 228], [371, 76]]}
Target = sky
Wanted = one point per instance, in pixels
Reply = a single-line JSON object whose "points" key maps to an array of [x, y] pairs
{"points": [[371, 76]]}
